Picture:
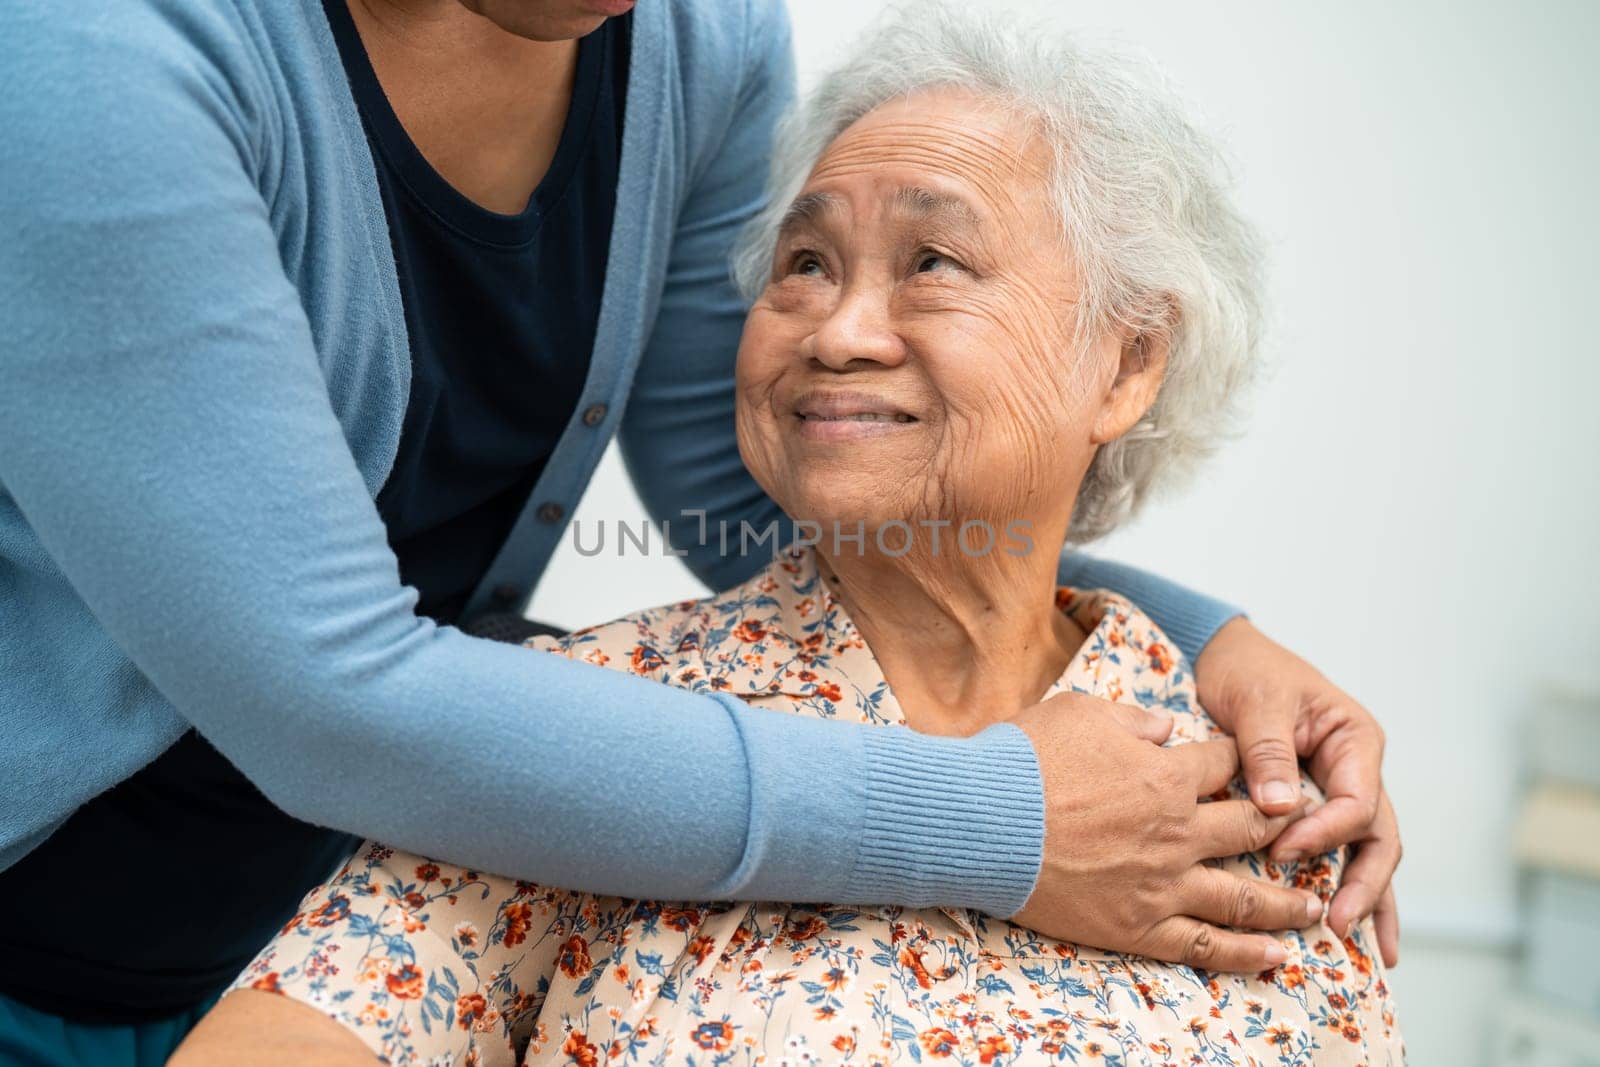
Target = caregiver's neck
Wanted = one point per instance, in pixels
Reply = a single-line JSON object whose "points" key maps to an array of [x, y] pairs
{"points": [[964, 641], [484, 106]]}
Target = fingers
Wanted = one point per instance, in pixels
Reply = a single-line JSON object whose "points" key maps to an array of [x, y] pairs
{"points": [[1181, 939], [1387, 921], [1338, 822], [1366, 879], [1154, 725], [1347, 762], [1211, 765], [1264, 729], [1229, 827], [1235, 900]]}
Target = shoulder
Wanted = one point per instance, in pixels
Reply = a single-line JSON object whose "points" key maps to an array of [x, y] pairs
{"points": [[723, 40], [654, 643], [731, 66], [1128, 658], [675, 643], [114, 77]]}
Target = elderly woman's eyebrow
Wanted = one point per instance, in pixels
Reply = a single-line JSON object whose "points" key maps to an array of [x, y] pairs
{"points": [[808, 209], [926, 203]]}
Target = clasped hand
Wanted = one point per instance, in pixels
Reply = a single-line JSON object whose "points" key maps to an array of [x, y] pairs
{"points": [[1127, 832]]}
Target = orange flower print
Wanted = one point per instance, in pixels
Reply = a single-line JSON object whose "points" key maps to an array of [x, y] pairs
{"points": [[428, 872], [580, 1050], [912, 961], [336, 910], [267, 983], [700, 948], [596, 657], [830, 691], [646, 660], [992, 1046], [1160, 658], [1362, 961], [713, 1036], [573, 958], [938, 1042], [406, 983], [807, 928], [519, 917], [749, 631], [469, 1009], [680, 919]]}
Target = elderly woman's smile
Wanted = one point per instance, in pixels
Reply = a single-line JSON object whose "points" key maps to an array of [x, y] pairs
{"points": [[828, 415]]}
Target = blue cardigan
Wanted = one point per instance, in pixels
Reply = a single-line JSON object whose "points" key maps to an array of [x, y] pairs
{"points": [[203, 370]]}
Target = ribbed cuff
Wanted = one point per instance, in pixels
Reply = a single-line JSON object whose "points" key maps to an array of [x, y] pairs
{"points": [[950, 821]]}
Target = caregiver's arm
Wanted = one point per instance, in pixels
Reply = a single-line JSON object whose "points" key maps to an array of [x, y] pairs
{"points": [[252, 1028], [165, 428]]}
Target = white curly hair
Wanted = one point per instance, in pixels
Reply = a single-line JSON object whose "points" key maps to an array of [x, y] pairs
{"points": [[1143, 200]]}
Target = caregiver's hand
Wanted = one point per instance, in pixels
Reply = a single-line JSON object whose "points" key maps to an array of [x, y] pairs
{"points": [[1281, 709], [1125, 835]]}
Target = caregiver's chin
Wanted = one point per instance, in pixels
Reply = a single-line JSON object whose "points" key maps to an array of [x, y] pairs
{"points": [[546, 20]]}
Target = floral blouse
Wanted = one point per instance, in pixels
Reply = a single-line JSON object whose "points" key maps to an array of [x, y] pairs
{"points": [[431, 963]]}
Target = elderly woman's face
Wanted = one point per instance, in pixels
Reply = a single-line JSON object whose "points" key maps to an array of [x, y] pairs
{"points": [[911, 358]]}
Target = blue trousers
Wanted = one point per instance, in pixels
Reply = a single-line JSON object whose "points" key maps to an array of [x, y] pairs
{"points": [[30, 1038]]}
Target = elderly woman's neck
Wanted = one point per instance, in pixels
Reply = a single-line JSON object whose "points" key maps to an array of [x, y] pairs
{"points": [[963, 642]]}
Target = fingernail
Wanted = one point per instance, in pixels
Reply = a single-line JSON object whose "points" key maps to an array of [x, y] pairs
{"points": [[1313, 910], [1275, 955], [1292, 856], [1278, 793]]}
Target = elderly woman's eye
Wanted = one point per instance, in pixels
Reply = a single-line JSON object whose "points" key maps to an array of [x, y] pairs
{"points": [[929, 262], [808, 264]]}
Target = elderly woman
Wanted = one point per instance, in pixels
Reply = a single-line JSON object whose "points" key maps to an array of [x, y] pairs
{"points": [[999, 298]]}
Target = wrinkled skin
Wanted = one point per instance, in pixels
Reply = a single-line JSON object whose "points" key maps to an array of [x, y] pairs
{"points": [[925, 268]]}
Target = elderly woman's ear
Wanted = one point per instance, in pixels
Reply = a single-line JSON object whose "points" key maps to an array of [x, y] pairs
{"points": [[1141, 366]]}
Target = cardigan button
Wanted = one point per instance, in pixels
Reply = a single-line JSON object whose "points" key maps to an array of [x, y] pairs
{"points": [[594, 414], [551, 512]]}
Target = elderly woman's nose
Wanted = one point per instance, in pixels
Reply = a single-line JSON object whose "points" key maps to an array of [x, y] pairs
{"points": [[859, 327]]}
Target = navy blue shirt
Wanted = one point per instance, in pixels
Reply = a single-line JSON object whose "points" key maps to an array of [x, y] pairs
{"points": [[501, 312]]}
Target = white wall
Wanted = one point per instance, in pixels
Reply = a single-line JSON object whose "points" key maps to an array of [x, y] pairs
{"points": [[1414, 507]]}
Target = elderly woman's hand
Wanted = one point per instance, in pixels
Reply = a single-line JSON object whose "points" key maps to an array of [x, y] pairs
{"points": [[1281, 709], [1126, 838]]}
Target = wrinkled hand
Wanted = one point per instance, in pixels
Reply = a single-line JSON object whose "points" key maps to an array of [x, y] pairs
{"points": [[1280, 709], [1125, 834]]}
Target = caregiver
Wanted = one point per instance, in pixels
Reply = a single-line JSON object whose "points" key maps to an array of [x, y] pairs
{"points": [[316, 320]]}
